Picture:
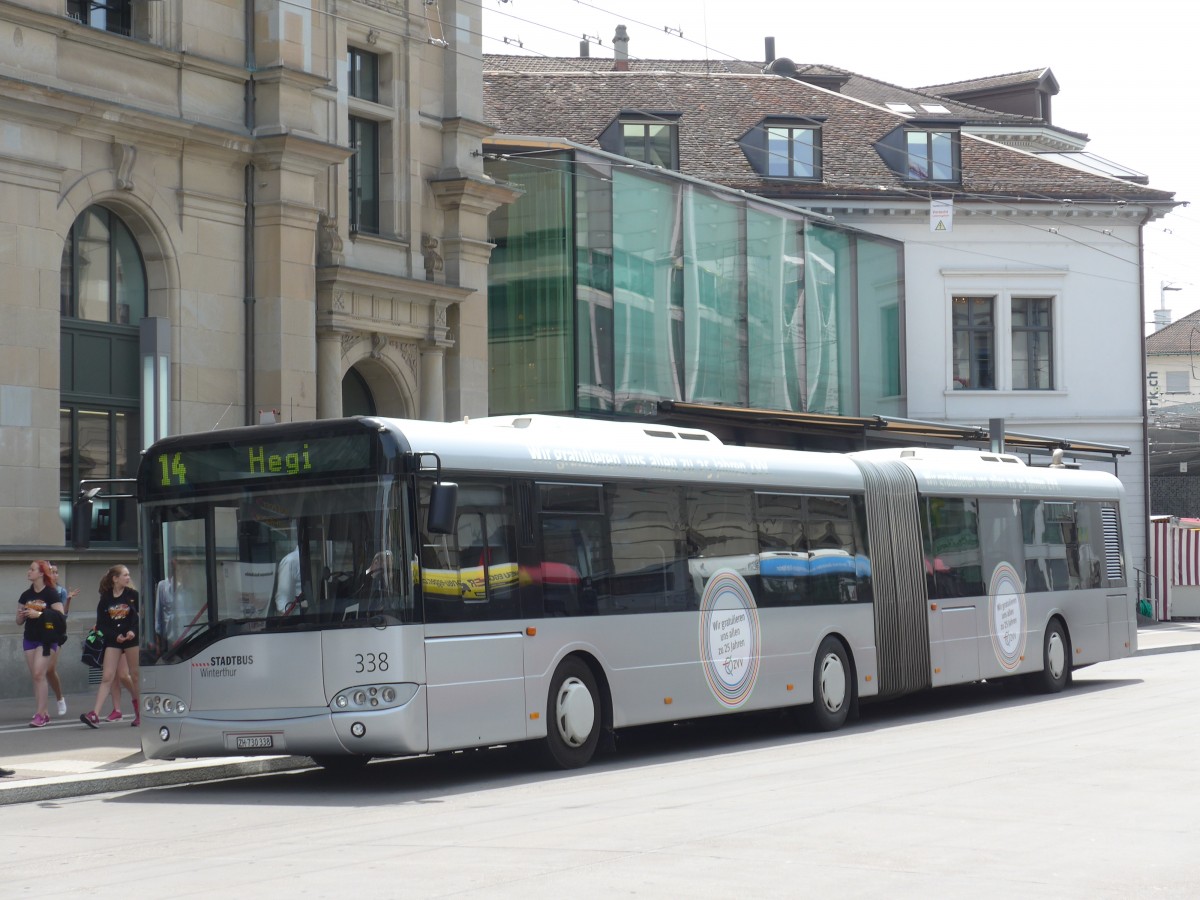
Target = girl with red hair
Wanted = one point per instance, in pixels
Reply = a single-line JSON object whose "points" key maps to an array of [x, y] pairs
{"points": [[35, 609]]}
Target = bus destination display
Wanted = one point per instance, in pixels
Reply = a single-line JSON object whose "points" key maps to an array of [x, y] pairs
{"points": [[176, 471]]}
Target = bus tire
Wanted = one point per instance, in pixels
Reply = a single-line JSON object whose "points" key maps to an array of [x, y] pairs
{"points": [[573, 716], [833, 686], [1056, 660], [338, 765]]}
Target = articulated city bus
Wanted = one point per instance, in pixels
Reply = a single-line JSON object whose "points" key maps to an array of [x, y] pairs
{"points": [[357, 588]]}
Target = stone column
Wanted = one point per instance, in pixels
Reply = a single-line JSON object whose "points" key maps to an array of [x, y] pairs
{"points": [[329, 375], [433, 381]]}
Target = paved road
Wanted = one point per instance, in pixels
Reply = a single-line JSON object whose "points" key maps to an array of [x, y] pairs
{"points": [[66, 759], [978, 791]]}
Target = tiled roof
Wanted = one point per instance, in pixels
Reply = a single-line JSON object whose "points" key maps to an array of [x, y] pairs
{"points": [[716, 110], [860, 87], [1178, 337], [991, 82]]}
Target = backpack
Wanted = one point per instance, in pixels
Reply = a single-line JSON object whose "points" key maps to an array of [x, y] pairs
{"points": [[52, 628], [92, 654]]}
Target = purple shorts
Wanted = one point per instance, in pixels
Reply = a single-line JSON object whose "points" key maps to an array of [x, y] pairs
{"points": [[34, 645]]}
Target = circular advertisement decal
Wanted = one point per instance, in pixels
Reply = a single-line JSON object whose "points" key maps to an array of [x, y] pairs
{"points": [[1007, 602], [729, 637]]}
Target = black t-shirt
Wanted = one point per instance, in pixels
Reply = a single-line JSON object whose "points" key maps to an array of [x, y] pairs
{"points": [[118, 615], [41, 601]]}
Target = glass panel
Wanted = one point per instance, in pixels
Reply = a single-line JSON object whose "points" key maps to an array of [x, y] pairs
{"points": [[973, 343], [130, 276], [530, 301], [649, 570], [942, 152], [775, 310], [127, 434], [777, 151], [918, 155], [955, 564], [67, 485], [880, 288], [66, 277], [827, 318], [635, 141], [364, 176], [803, 156], [721, 533], [593, 285], [645, 231], [715, 337], [364, 75], [314, 556], [982, 375], [660, 146], [1032, 346], [92, 243]]}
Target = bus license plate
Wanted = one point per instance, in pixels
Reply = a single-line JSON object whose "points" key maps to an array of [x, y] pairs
{"points": [[255, 742]]}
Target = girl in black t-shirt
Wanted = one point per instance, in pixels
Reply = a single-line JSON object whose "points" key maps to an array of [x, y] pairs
{"points": [[33, 607], [117, 620]]}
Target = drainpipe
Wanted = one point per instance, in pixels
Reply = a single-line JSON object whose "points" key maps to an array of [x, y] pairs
{"points": [[1141, 328], [248, 362]]}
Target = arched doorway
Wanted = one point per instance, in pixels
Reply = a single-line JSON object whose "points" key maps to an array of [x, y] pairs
{"points": [[357, 399]]}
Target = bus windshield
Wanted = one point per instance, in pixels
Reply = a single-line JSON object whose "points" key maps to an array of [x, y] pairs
{"points": [[283, 559]]}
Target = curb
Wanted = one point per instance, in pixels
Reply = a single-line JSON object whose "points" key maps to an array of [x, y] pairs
{"points": [[40, 789], [1175, 648]]}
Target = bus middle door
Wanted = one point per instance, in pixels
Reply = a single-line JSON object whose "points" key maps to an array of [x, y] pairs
{"points": [[474, 644]]}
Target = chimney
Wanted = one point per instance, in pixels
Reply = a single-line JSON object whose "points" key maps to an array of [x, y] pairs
{"points": [[770, 55], [621, 50], [583, 49]]}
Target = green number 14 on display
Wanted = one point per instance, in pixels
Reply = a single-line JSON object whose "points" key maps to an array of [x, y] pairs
{"points": [[172, 467]]}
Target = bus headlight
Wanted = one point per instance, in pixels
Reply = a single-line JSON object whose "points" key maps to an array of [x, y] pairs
{"points": [[163, 705], [373, 696]]}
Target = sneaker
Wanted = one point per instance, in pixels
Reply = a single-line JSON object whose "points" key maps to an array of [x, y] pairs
{"points": [[90, 719], [137, 720], [62, 706], [4, 773], [115, 716], [39, 721]]}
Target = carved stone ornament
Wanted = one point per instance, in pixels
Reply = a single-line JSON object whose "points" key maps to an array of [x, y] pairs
{"points": [[123, 157], [329, 242], [378, 345], [433, 259], [410, 354]]}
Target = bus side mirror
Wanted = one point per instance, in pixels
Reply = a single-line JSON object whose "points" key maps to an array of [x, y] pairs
{"points": [[81, 519], [443, 507]]}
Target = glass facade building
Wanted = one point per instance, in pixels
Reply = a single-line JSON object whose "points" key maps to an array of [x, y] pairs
{"points": [[613, 286]]}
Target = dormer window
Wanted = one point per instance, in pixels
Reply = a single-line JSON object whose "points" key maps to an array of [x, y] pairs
{"points": [[932, 155], [923, 151], [781, 148], [649, 137]]}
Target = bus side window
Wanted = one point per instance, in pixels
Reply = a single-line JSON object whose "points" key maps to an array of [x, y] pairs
{"points": [[471, 575]]}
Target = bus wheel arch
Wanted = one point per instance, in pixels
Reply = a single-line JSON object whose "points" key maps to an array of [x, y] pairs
{"points": [[578, 712], [1056, 658], [835, 693]]}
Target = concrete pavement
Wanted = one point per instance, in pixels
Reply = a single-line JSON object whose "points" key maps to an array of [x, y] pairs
{"points": [[68, 759]]}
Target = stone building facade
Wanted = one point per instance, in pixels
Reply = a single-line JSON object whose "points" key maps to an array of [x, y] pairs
{"points": [[289, 195]]}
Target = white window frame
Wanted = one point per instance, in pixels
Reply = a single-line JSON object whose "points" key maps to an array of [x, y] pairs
{"points": [[1003, 288]]}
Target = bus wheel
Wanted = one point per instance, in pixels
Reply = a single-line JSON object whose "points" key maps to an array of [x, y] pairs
{"points": [[833, 687], [574, 713], [1056, 661], [341, 765]]}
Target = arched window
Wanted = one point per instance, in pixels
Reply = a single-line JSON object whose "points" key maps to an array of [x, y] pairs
{"points": [[103, 298]]}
